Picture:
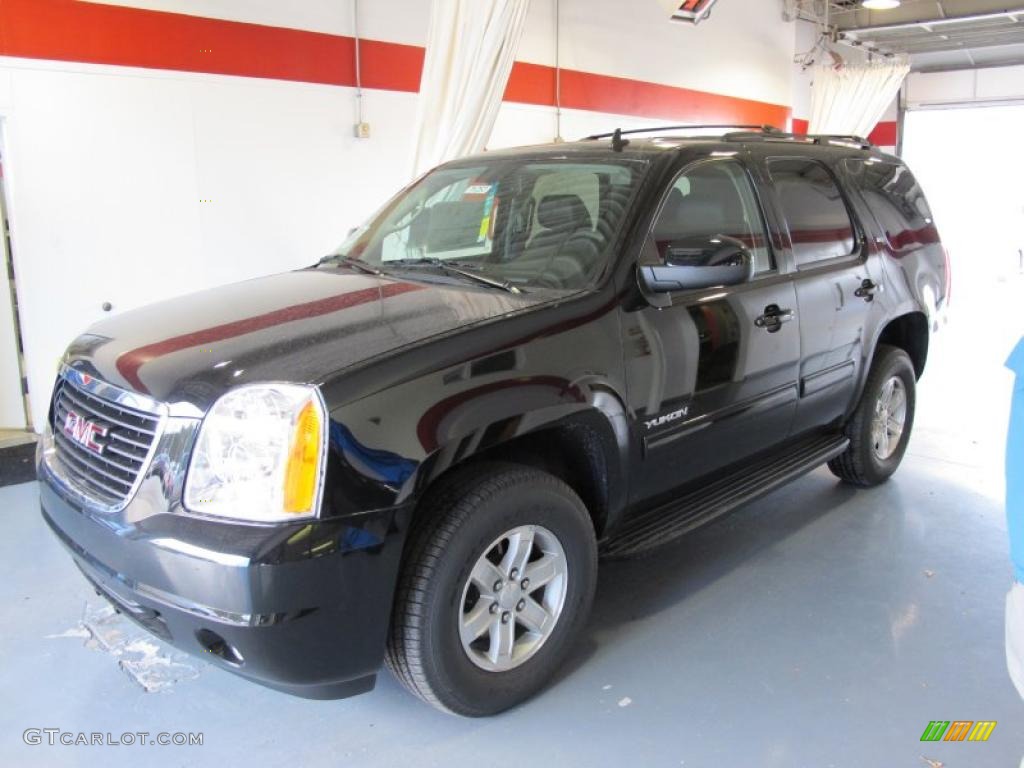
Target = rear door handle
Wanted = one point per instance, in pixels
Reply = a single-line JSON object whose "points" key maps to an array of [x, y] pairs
{"points": [[868, 289], [773, 318]]}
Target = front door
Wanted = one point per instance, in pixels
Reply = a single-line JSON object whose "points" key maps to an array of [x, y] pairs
{"points": [[712, 375]]}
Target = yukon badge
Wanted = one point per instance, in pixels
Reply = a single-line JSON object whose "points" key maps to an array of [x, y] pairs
{"points": [[84, 432], [668, 418]]}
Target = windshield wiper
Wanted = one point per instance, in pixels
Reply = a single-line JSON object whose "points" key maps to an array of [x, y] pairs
{"points": [[356, 264], [451, 269]]}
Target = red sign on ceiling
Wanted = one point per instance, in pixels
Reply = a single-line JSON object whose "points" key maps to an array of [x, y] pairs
{"points": [[693, 11]]}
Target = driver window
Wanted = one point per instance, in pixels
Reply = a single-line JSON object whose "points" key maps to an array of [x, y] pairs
{"points": [[710, 200]]}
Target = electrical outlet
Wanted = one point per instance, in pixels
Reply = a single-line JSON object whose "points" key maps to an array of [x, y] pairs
{"points": [[362, 130]]}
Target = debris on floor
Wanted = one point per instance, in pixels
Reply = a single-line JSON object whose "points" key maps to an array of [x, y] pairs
{"points": [[625, 702], [150, 664], [932, 763], [78, 631]]}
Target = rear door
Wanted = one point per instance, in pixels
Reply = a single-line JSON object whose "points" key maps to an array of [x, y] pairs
{"points": [[713, 374], [837, 279]]}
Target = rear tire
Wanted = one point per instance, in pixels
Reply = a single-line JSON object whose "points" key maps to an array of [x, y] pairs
{"points": [[471, 532], [880, 427]]}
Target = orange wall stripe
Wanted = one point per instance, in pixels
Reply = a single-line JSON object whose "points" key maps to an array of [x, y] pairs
{"points": [[886, 134], [68, 30], [535, 84], [73, 30]]}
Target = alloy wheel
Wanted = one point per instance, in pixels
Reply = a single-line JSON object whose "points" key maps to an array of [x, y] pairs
{"points": [[890, 418], [513, 598]]}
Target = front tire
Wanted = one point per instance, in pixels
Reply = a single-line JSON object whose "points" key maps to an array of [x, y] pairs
{"points": [[880, 427], [467, 635]]}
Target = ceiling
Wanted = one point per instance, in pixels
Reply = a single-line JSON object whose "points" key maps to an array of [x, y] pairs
{"points": [[937, 34]]}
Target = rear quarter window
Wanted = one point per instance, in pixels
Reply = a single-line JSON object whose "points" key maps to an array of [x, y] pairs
{"points": [[895, 200], [820, 227]]}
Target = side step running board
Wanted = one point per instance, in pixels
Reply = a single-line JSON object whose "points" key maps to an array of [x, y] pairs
{"points": [[668, 522]]}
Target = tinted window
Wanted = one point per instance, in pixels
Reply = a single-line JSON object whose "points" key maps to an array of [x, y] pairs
{"points": [[710, 200], [896, 200], [819, 223]]}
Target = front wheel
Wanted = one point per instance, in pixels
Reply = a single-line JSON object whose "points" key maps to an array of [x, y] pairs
{"points": [[880, 427], [497, 581]]}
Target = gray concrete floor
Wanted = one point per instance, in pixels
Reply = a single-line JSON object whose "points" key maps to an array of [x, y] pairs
{"points": [[818, 627]]}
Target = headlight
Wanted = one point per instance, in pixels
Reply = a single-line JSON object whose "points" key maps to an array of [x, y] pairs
{"points": [[260, 455]]}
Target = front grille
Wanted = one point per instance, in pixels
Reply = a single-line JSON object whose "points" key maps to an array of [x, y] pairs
{"points": [[108, 473]]}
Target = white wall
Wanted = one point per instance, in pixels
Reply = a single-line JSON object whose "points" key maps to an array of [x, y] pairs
{"points": [[131, 185], [12, 412], [743, 49], [805, 38]]}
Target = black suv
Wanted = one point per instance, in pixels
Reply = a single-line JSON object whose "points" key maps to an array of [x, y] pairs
{"points": [[416, 450]]}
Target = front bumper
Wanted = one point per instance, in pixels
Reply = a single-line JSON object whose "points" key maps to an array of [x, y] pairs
{"points": [[303, 607]]}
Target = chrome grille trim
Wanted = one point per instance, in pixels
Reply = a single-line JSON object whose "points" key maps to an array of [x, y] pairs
{"points": [[70, 452], [97, 404], [123, 439], [129, 469], [109, 479]]}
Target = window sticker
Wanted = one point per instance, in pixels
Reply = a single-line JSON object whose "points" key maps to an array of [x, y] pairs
{"points": [[478, 190], [490, 214]]}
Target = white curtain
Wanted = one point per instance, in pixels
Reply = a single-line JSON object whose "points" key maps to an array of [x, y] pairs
{"points": [[851, 100], [471, 45]]}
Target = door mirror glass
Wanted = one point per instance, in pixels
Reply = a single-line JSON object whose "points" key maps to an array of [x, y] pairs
{"points": [[699, 262], [704, 251]]}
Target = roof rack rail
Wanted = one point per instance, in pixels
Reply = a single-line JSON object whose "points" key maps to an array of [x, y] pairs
{"points": [[820, 137], [762, 128], [744, 133], [813, 138]]}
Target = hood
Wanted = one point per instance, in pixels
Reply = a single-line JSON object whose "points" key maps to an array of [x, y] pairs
{"points": [[296, 326]]}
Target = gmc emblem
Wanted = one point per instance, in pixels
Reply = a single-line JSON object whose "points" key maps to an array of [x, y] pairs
{"points": [[84, 432]]}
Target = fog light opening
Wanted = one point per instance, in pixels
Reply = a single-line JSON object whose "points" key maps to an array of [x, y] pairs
{"points": [[219, 647]]}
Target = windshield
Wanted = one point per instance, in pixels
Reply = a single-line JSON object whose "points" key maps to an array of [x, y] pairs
{"points": [[522, 221]]}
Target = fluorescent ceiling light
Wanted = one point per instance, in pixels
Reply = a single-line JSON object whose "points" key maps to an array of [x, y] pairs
{"points": [[880, 5]]}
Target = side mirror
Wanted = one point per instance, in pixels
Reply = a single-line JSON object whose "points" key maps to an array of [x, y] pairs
{"points": [[699, 262]]}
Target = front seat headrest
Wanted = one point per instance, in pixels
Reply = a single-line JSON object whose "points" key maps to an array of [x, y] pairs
{"points": [[563, 213]]}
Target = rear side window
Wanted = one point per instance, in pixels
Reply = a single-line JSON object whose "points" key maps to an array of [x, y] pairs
{"points": [[819, 221], [896, 200]]}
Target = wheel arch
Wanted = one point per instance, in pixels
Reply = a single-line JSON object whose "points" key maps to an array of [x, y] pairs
{"points": [[585, 449], [910, 333]]}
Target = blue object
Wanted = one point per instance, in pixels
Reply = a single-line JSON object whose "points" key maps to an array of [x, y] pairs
{"points": [[384, 466], [1015, 464]]}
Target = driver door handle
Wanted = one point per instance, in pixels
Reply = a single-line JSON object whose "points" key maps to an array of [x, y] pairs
{"points": [[868, 289], [774, 317]]}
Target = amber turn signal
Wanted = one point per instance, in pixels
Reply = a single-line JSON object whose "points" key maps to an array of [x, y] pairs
{"points": [[303, 471]]}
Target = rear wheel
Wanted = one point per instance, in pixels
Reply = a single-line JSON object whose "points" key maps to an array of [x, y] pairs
{"points": [[880, 427], [497, 581]]}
